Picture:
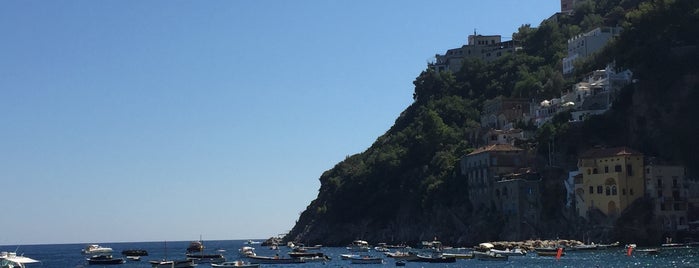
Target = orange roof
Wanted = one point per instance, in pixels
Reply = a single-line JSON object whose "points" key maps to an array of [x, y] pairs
{"points": [[609, 152], [495, 148]]}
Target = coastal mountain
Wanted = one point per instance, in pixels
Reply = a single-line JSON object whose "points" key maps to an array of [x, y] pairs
{"points": [[407, 186]]}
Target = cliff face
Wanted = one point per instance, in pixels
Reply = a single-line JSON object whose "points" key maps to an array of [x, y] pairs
{"points": [[407, 186]]}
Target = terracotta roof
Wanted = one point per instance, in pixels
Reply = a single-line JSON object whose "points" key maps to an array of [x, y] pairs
{"points": [[495, 148], [608, 152]]}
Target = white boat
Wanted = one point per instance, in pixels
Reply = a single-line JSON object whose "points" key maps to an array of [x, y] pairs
{"points": [[247, 251], [235, 264], [491, 256], [95, 249], [173, 264], [366, 260], [11, 260], [359, 246], [510, 252]]}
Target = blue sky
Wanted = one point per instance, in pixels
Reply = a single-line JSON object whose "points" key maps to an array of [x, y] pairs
{"points": [[167, 120]]}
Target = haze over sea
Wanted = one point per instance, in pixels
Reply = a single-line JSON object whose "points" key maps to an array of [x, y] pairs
{"points": [[68, 255]]}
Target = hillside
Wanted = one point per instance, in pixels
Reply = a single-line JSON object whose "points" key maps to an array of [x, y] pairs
{"points": [[406, 187]]}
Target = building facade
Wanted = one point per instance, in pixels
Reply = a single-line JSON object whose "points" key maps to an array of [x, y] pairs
{"points": [[502, 113], [518, 196], [487, 165], [667, 185], [484, 47], [612, 178], [583, 45]]}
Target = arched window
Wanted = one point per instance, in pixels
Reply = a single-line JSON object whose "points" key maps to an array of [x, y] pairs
{"points": [[613, 189]]}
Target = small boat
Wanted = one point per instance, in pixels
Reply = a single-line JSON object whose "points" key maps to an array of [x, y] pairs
{"points": [[205, 258], [461, 256], [606, 246], [95, 249], [273, 260], [348, 256], [491, 256], [104, 260], [173, 264], [366, 260], [235, 264], [402, 255], [247, 251], [133, 258], [649, 251], [10, 259], [134, 252], [305, 254], [400, 263], [510, 252], [195, 246], [434, 259], [359, 246]]}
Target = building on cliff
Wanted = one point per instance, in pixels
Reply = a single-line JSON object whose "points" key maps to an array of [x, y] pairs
{"points": [[502, 113], [487, 165], [484, 47], [584, 45], [518, 196], [666, 184], [612, 178]]}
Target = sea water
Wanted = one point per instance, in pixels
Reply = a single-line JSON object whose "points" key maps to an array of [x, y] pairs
{"points": [[69, 255]]}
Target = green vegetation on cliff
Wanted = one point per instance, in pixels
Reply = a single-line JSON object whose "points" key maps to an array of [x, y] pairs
{"points": [[406, 187]]}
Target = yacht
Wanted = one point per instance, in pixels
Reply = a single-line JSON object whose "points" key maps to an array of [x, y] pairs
{"points": [[95, 249], [11, 260]]}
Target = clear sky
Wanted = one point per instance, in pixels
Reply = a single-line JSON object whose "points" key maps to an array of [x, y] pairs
{"points": [[167, 120]]}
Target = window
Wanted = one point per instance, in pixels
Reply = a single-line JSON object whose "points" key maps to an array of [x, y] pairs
{"points": [[608, 190], [592, 190], [629, 171], [623, 191], [606, 169], [599, 189], [674, 183], [617, 168], [660, 183], [613, 189], [594, 171], [676, 206], [630, 191], [660, 193]]}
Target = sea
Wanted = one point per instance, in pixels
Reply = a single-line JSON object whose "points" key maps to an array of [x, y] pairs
{"points": [[69, 255]]}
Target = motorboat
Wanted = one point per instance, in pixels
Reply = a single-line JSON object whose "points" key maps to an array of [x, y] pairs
{"points": [[462, 256], [584, 247], [437, 258], [11, 260], [402, 255], [366, 260], [235, 264], [247, 251], [348, 256], [104, 260], [205, 258], [95, 249], [510, 252], [491, 256], [173, 264], [133, 258], [195, 246], [359, 246]]}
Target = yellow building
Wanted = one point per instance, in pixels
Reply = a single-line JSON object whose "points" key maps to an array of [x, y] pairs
{"points": [[610, 179]]}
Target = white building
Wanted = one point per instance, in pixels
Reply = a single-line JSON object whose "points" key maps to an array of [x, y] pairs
{"points": [[583, 45]]}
